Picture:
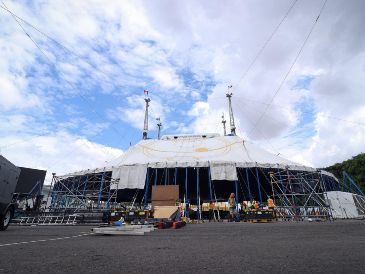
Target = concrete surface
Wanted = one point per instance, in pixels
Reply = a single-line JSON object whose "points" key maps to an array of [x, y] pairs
{"points": [[331, 247]]}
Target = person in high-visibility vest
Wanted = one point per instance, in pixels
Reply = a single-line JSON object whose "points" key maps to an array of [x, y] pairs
{"points": [[270, 203]]}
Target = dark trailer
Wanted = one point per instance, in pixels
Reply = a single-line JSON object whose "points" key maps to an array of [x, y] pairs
{"points": [[9, 174]]}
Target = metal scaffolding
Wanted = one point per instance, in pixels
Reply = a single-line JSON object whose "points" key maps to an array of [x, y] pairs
{"points": [[82, 192], [296, 194], [299, 195]]}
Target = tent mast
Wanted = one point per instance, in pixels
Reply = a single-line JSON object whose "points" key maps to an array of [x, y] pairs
{"points": [[224, 124], [145, 127], [159, 125], [231, 118]]}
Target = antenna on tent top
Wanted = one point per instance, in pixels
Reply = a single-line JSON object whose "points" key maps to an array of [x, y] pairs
{"points": [[224, 124], [231, 118], [159, 125], [145, 127]]}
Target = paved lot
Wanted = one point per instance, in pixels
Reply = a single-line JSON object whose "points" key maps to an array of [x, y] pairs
{"points": [[337, 247]]}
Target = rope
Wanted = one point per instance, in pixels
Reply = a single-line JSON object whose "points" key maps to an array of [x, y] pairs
{"points": [[290, 69], [265, 44], [91, 107]]}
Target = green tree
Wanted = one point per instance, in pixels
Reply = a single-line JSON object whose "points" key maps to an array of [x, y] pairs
{"points": [[355, 167]]}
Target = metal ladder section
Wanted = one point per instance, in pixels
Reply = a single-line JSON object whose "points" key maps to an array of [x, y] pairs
{"points": [[50, 220]]}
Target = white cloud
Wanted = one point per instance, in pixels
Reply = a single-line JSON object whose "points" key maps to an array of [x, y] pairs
{"points": [[133, 113], [162, 45], [12, 96], [60, 152], [166, 78]]}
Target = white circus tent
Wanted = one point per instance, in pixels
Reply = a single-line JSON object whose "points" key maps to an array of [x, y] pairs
{"points": [[222, 154]]}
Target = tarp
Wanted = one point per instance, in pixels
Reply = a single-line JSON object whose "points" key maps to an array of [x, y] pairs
{"points": [[200, 151], [342, 204], [222, 153], [223, 171], [129, 177]]}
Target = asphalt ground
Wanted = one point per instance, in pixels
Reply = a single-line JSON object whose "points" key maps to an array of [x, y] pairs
{"points": [[283, 247]]}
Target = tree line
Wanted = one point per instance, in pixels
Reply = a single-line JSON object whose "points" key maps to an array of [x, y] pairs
{"points": [[355, 167]]}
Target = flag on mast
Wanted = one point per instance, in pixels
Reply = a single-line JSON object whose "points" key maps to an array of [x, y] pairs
{"points": [[145, 92]]}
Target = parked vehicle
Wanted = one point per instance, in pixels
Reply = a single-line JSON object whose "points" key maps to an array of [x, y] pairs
{"points": [[9, 175]]}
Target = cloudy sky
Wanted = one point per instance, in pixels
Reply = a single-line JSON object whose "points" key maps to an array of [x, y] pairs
{"points": [[72, 75]]}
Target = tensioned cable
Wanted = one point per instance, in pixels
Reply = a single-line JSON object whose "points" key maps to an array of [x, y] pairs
{"points": [[307, 112], [264, 45], [290, 68], [67, 49], [64, 79], [43, 134], [265, 138]]}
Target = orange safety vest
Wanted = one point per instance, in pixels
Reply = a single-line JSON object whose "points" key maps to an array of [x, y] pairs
{"points": [[270, 202]]}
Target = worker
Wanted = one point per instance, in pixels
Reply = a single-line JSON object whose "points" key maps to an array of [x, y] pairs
{"points": [[252, 206], [244, 206], [257, 205], [232, 206], [211, 211], [270, 203]]}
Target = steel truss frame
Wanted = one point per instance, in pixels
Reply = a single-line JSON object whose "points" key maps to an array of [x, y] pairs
{"points": [[82, 192], [299, 195]]}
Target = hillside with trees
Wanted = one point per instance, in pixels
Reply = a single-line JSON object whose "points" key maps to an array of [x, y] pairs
{"points": [[355, 167]]}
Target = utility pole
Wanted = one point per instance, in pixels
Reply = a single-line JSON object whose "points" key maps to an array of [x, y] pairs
{"points": [[159, 125], [224, 124], [145, 127], [231, 118]]}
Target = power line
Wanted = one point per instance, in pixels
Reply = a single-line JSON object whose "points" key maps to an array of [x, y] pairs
{"points": [[67, 49], [305, 112], [263, 136], [265, 44], [60, 72], [290, 68]]}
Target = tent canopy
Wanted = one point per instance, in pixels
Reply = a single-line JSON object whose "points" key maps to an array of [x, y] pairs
{"points": [[200, 151], [221, 153]]}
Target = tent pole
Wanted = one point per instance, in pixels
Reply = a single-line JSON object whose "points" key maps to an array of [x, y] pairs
{"points": [[186, 191], [166, 175], [175, 175], [248, 185], [237, 200], [258, 184], [156, 176], [197, 192], [210, 185], [146, 185]]}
